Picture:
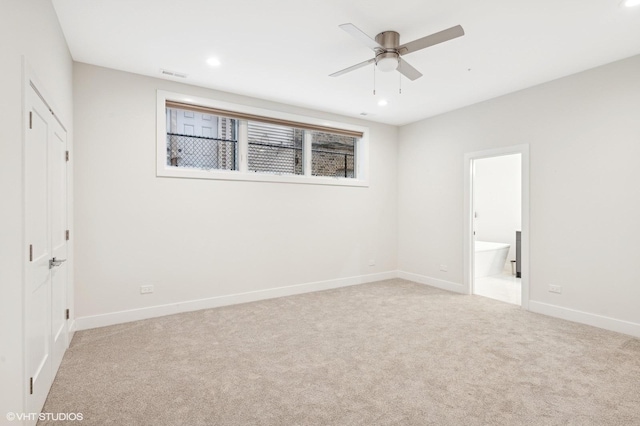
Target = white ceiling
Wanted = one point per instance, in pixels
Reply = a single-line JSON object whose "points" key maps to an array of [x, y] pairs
{"points": [[284, 50]]}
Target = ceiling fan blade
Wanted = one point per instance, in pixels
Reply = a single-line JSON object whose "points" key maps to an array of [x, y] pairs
{"points": [[407, 70], [430, 40], [361, 36], [354, 67]]}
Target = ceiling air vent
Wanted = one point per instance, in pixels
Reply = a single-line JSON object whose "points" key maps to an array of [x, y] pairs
{"points": [[173, 73]]}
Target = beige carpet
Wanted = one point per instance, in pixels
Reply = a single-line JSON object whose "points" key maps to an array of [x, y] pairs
{"points": [[386, 353]]}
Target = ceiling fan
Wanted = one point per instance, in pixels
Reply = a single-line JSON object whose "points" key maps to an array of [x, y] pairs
{"points": [[388, 50]]}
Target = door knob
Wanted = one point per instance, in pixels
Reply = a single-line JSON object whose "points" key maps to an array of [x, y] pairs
{"points": [[56, 262]]}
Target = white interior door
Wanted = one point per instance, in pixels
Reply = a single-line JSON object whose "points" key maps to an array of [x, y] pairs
{"points": [[38, 235], [46, 330]]}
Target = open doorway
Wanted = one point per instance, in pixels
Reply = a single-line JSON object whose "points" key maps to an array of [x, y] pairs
{"points": [[496, 224]]}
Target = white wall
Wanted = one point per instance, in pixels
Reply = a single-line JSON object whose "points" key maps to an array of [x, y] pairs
{"points": [[194, 239], [29, 28], [497, 198], [584, 137]]}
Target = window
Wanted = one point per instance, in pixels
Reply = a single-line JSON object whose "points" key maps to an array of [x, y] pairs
{"points": [[202, 138], [202, 141], [333, 155], [275, 149]]}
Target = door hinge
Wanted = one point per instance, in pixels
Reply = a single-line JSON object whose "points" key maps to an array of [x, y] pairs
{"points": [[66, 234], [30, 252], [31, 119], [66, 155], [31, 386], [67, 314]]}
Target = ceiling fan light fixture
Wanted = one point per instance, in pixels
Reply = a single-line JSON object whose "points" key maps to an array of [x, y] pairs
{"points": [[387, 62]]}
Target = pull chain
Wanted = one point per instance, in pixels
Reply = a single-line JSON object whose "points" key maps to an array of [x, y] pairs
{"points": [[374, 80], [399, 83]]}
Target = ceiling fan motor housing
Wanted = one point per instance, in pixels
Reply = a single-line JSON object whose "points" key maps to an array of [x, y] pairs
{"points": [[388, 39], [387, 59]]}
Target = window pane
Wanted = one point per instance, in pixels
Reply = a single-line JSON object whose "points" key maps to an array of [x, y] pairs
{"points": [[332, 155], [275, 149], [201, 141]]}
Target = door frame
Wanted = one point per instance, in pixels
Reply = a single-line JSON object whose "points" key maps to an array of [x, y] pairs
{"points": [[469, 157]]}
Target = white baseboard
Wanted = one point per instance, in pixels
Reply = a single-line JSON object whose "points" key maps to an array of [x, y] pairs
{"points": [[433, 282], [95, 321], [72, 329], [581, 317]]}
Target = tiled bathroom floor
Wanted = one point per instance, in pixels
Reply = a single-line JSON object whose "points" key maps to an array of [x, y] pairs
{"points": [[505, 287]]}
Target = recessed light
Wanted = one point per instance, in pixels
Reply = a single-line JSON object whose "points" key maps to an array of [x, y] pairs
{"points": [[214, 62], [631, 3], [382, 102]]}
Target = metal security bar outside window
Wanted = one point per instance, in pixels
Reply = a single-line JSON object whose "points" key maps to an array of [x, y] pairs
{"points": [[201, 153], [332, 155], [201, 141]]}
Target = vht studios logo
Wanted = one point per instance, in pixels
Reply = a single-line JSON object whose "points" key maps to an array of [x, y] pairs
{"points": [[55, 417]]}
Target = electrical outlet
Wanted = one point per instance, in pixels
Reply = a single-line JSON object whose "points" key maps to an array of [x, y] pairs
{"points": [[555, 288], [444, 268], [146, 289], [372, 262]]}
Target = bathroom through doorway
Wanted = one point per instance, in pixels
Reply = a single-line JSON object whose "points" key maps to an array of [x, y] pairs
{"points": [[497, 226], [496, 189]]}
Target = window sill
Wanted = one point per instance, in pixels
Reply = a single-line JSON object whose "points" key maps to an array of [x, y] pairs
{"points": [[175, 172]]}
